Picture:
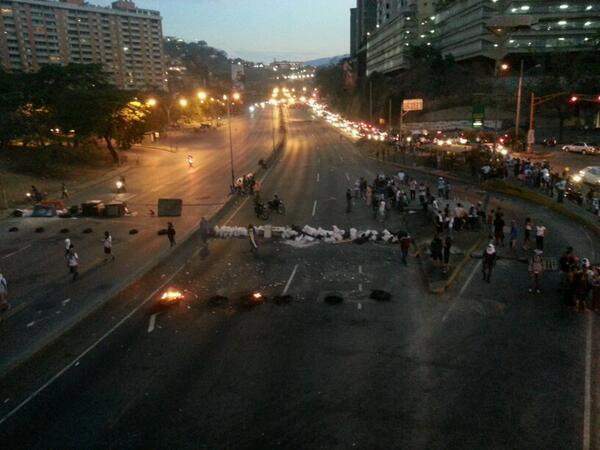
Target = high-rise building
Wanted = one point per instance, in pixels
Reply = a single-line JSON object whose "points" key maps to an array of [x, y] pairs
{"points": [[402, 23], [353, 32], [471, 29], [366, 16], [125, 40]]}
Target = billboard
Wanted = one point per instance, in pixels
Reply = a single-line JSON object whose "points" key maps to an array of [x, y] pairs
{"points": [[413, 104]]}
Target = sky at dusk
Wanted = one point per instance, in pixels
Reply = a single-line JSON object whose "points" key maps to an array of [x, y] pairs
{"points": [[259, 30]]}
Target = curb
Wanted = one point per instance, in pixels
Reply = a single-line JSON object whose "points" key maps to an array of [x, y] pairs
{"points": [[136, 276]]}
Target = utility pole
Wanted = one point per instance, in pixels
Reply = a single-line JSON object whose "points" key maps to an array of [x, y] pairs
{"points": [[531, 133], [273, 124], [390, 115], [518, 115], [371, 101], [230, 142]]}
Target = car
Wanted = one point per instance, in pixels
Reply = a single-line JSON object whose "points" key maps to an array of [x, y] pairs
{"points": [[589, 175], [581, 147]]}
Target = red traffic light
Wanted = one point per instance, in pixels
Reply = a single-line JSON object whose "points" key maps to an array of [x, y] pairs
{"points": [[574, 99]]}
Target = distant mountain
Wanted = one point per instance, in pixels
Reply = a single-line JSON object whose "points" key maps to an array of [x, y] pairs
{"points": [[325, 61]]}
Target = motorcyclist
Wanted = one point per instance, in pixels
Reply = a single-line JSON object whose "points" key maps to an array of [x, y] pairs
{"points": [[275, 203]]}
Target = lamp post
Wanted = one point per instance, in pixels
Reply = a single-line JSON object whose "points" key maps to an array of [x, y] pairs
{"points": [[273, 125], [236, 97], [536, 101]]}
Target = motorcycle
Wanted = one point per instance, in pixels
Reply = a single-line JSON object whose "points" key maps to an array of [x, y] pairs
{"points": [[277, 207], [120, 184], [261, 212]]}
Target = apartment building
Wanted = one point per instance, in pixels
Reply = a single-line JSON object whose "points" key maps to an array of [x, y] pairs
{"points": [[401, 23], [125, 40], [493, 29]]}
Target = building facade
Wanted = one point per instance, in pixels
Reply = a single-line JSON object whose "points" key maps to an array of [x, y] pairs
{"points": [[353, 32], [402, 23], [493, 29], [125, 40]]}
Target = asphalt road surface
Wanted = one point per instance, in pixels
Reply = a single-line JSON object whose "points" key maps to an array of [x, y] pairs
{"points": [[43, 298], [484, 366]]}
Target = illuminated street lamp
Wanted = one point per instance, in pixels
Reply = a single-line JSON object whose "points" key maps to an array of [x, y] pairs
{"points": [[151, 102], [183, 102], [202, 96]]}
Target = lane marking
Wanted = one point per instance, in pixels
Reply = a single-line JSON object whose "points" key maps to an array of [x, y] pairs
{"points": [[347, 176], [360, 270], [318, 177], [75, 362], [64, 302], [17, 251], [290, 279], [314, 211], [152, 322], [587, 408], [463, 289], [360, 287]]}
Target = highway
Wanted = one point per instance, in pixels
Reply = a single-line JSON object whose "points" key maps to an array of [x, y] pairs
{"points": [[483, 366]]}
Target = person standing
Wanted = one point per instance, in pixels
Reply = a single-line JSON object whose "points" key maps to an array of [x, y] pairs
{"points": [[107, 244], [499, 230], [190, 161], [205, 229], [413, 190], [441, 187], [536, 270], [540, 234], [381, 212], [348, 200], [527, 233], [4, 305], [252, 238], [490, 224], [512, 237], [436, 248], [405, 241], [73, 262], [489, 262], [171, 234], [447, 249]]}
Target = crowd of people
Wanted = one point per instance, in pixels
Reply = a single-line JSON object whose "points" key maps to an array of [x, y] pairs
{"points": [[539, 175], [580, 282]]}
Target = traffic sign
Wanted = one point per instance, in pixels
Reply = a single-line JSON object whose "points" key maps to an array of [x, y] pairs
{"points": [[414, 104]]}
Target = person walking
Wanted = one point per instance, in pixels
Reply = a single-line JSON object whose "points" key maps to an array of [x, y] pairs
{"points": [[171, 234], [536, 270], [413, 190], [527, 233], [4, 305], [64, 192], [540, 234], [441, 187], [405, 241], [67, 246], [252, 238], [190, 161], [73, 262], [447, 249], [381, 212], [107, 244], [204, 230], [489, 262], [490, 224], [512, 237], [348, 200]]}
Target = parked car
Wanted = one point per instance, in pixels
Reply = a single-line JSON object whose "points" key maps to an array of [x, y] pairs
{"points": [[581, 147], [589, 175]]}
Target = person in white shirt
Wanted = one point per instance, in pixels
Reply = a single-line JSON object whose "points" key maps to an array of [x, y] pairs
{"points": [[73, 262], [107, 244], [4, 305], [540, 233]]}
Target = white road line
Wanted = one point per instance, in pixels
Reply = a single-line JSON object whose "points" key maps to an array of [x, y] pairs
{"points": [[463, 289], [152, 322], [76, 361], [587, 411], [360, 270], [347, 176], [318, 177], [314, 208], [64, 302], [360, 287], [290, 279], [17, 251]]}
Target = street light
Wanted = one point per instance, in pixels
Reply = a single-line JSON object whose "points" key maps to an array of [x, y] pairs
{"points": [[236, 96], [151, 102], [183, 102], [202, 96]]}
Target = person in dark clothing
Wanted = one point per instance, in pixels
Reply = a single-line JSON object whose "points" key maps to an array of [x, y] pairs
{"points": [[348, 200], [171, 234], [436, 247], [447, 249], [499, 230], [489, 261], [405, 241]]}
